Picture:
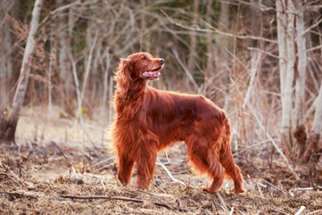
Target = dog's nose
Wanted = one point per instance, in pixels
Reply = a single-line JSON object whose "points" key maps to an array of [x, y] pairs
{"points": [[161, 61]]}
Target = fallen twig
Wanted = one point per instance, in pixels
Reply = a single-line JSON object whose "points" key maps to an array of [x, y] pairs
{"points": [[23, 194], [16, 177], [301, 189], [60, 150], [120, 198], [156, 194], [315, 212], [231, 211], [170, 174], [258, 185], [302, 208], [275, 187], [222, 201], [108, 160], [106, 166], [10, 177]]}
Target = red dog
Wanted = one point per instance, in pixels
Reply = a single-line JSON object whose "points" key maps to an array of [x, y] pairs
{"points": [[148, 120]]}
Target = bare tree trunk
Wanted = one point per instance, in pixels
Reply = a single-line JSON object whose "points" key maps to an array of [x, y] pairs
{"points": [[88, 68], [5, 53], [145, 41], [76, 81], [287, 53], [316, 130], [193, 38], [8, 123], [210, 51], [292, 62], [217, 62], [64, 43], [49, 74], [300, 77], [107, 61], [222, 47], [51, 66], [281, 37], [301, 66], [255, 56]]}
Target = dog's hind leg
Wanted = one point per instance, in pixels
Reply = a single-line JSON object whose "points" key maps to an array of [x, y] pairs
{"points": [[216, 171], [232, 170], [227, 160], [204, 160]]}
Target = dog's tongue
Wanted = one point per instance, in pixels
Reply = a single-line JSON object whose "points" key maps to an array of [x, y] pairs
{"points": [[151, 74]]}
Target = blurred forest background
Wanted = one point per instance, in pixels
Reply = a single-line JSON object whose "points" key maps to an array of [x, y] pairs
{"points": [[260, 60]]}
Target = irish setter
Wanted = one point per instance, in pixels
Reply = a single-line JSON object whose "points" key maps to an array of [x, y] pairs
{"points": [[148, 120]]}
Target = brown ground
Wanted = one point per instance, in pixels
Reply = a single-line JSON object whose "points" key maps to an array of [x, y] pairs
{"points": [[52, 177]]}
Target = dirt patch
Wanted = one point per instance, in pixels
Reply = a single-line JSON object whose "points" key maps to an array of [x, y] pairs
{"points": [[52, 179]]}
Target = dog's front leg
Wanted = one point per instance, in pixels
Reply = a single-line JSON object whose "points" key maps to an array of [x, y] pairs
{"points": [[125, 163], [147, 154]]}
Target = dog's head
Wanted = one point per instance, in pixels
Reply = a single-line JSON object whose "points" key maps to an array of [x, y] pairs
{"points": [[142, 65]]}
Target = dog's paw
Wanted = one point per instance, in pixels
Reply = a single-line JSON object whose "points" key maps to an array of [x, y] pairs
{"points": [[239, 190], [208, 190]]}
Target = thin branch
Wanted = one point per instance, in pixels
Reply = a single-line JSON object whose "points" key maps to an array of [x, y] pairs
{"points": [[253, 71], [312, 26], [189, 75], [319, 211], [215, 30], [274, 143], [265, 52], [18, 194], [56, 11], [314, 48], [109, 198], [170, 174]]}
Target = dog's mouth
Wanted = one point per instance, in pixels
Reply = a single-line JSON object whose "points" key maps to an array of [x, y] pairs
{"points": [[152, 74]]}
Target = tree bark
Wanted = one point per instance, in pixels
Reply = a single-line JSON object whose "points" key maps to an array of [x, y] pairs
{"points": [[193, 38], [217, 62], [6, 69], [88, 68], [287, 59], [64, 26], [315, 133], [300, 77], [281, 37], [221, 50], [255, 56], [8, 121], [301, 65], [210, 51]]}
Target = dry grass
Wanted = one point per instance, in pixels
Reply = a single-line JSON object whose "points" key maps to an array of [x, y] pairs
{"points": [[51, 174], [35, 125]]}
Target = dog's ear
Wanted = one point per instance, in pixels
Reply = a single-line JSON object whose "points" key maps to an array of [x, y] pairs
{"points": [[127, 68], [126, 63]]}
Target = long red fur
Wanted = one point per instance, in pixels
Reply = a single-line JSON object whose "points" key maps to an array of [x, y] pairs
{"points": [[148, 120]]}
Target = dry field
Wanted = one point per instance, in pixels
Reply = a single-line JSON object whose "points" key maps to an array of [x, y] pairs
{"points": [[60, 167]]}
